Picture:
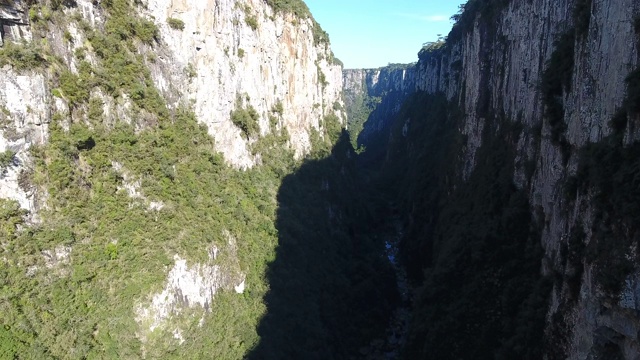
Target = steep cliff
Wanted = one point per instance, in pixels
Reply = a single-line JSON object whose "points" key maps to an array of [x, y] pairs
{"points": [[151, 184], [215, 57], [523, 133]]}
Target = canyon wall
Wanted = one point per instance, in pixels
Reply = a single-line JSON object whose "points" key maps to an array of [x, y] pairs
{"points": [[555, 83], [221, 56]]}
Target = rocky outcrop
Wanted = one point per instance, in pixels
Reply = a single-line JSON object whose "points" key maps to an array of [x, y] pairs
{"points": [[14, 24], [24, 117], [191, 286]]}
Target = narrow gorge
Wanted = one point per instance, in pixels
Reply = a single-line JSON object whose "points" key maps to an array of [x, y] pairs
{"points": [[203, 179]]}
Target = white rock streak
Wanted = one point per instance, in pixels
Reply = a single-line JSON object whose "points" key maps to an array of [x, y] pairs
{"points": [[190, 286]]}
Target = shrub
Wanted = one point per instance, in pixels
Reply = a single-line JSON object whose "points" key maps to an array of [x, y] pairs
{"points": [[278, 108], [175, 24], [72, 88], [247, 120], [146, 31], [252, 22], [190, 71], [7, 158], [22, 56], [297, 7]]}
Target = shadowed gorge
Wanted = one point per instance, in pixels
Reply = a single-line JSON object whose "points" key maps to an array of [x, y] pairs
{"points": [[330, 290]]}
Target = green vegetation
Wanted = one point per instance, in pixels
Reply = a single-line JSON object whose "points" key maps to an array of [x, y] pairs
{"points": [[464, 20], [322, 78], [190, 71], [278, 108], [6, 158], [430, 48], [297, 7], [249, 18], [290, 244], [22, 56], [252, 22], [330, 290], [246, 119], [632, 100], [83, 306], [611, 171], [240, 53], [358, 113], [319, 36], [73, 89], [175, 24], [123, 23]]}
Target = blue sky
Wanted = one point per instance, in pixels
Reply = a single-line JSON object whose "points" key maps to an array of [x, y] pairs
{"points": [[373, 33]]}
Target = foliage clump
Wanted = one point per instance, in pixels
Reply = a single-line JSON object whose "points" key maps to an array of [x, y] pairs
{"points": [[465, 241], [22, 56], [300, 9], [175, 24], [246, 119], [609, 171], [84, 306], [249, 18], [296, 7], [6, 158], [468, 12]]}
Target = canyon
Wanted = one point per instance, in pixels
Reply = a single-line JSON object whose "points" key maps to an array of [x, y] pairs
{"points": [[203, 179]]}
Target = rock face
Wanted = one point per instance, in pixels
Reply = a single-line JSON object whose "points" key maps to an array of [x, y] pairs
{"points": [[493, 69], [190, 286], [24, 118], [229, 54], [244, 50], [14, 24]]}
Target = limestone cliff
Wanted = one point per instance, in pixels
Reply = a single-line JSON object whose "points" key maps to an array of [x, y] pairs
{"points": [[143, 145], [223, 56], [244, 49], [563, 72]]}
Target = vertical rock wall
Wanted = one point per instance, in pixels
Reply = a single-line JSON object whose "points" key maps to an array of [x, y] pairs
{"points": [[492, 68]]}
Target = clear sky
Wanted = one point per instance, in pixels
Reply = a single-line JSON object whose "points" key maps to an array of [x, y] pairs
{"points": [[374, 33]]}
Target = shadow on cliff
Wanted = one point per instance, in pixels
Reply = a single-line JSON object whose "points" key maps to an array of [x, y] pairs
{"points": [[331, 289]]}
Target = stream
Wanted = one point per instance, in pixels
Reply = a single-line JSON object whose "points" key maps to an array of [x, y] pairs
{"points": [[389, 347]]}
